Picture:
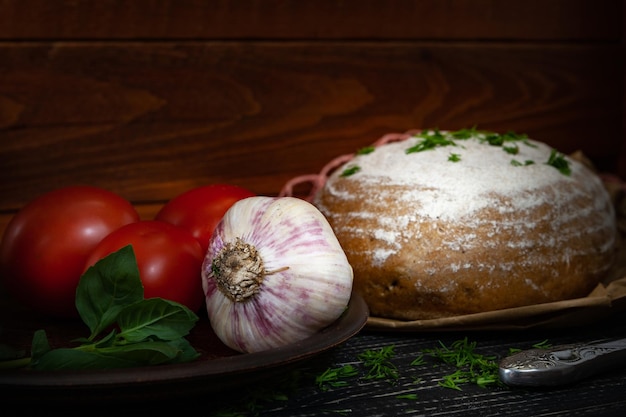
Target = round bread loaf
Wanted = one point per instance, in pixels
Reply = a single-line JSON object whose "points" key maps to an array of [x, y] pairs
{"points": [[439, 224]]}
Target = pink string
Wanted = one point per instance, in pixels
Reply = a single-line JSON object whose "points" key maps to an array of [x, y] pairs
{"points": [[319, 180]]}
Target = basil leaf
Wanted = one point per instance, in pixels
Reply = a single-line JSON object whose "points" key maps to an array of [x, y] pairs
{"points": [[68, 358], [187, 352], [106, 288], [40, 345], [155, 317], [141, 332], [144, 353], [108, 340], [123, 356]]}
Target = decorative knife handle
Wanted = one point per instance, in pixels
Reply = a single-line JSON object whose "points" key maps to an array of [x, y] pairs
{"points": [[562, 365]]}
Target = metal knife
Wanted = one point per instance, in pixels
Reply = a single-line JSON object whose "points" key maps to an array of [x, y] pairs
{"points": [[562, 365]]}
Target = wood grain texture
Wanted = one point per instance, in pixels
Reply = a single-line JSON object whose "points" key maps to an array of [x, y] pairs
{"points": [[581, 20], [150, 98], [150, 120]]}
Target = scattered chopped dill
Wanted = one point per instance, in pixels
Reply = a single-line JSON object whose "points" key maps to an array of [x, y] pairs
{"points": [[366, 150], [494, 139], [497, 139], [378, 363], [350, 170], [454, 157], [511, 136], [544, 344], [517, 163], [540, 345], [471, 367], [465, 133], [263, 395], [418, 361], [558, 161], [453, 380], [513, 150], [335, 377], [430, 140]]}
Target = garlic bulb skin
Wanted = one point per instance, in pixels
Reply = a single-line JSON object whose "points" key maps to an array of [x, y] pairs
{"points": [[274, 274]]}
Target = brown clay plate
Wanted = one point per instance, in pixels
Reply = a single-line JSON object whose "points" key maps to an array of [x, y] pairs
{"points": [[218, 367]]}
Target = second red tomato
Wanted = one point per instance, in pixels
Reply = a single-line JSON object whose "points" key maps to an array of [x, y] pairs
{"points": [[200, 209], [169, 259]]}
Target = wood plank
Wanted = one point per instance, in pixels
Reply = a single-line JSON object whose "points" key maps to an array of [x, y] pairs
{"points": [[321, 19], [622, 159], [151, 120]]}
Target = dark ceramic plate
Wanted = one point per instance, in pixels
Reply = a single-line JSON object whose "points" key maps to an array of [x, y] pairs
{"points": [[217, 369]]}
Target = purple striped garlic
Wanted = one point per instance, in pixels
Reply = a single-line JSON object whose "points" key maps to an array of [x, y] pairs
{"points": [[274, 274]]}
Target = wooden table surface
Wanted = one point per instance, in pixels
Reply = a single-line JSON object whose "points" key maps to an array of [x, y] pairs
{"points": [[598, 396], [417, 390]]}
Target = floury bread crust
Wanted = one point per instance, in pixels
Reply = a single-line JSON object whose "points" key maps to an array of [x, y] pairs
{"points": [[469, 225]]}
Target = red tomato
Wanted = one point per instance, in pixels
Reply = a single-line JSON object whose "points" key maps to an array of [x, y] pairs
{"points": [[200, 209], [46, 244], [168, 257]]}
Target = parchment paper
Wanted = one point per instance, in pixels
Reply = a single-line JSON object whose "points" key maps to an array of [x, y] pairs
{"points": [[607, 298]]}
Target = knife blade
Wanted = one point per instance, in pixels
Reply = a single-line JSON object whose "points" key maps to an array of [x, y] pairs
{"points": [[562, 365]]}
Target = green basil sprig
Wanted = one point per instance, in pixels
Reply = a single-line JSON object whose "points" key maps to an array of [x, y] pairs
{"points": [[126, 330]]}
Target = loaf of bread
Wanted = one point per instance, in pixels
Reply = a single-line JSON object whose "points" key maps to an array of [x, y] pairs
{"points": [[439, 223]]}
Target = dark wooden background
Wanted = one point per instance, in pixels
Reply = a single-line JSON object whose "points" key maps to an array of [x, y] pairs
{"points": [[150, 98]]}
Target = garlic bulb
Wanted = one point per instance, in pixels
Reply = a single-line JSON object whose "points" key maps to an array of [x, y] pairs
{"points": [[274, 274]]}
